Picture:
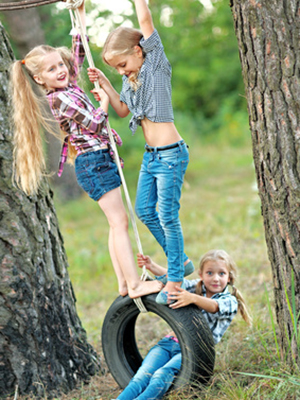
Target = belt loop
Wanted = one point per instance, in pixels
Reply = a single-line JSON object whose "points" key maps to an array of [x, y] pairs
{"points": [[181, 144]]}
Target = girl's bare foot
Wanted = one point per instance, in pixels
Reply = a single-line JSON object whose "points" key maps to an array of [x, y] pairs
{"points": [[123, 289], [143, 288]]}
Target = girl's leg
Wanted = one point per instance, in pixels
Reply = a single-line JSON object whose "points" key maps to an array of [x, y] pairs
{"points": [[112, 205], [170, 171], [162, 379], [146, 200], [160, 181], [123, 290], [157, 357]]}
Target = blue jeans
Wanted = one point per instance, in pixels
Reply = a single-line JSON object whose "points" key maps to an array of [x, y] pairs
{"points": [[156, 374], [160, 182]]}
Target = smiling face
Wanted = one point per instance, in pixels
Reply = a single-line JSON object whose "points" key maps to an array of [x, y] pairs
{"points": [[54, 72], [126, 64], [215, 276]]}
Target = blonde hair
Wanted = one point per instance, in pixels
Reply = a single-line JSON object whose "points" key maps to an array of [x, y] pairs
{"points": [[29, 116], [221, 255], [122, 41]]}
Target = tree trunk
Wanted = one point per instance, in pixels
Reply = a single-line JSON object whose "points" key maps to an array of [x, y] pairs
{"points": [[268, 39], [43, 347]]}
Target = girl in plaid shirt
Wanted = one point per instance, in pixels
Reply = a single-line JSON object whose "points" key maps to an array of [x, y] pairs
{"points": [[210, 293], [85, 134], [140, 58]]}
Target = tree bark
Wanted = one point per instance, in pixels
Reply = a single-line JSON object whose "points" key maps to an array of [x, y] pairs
{"points": [[268, 39], [43, 347]]}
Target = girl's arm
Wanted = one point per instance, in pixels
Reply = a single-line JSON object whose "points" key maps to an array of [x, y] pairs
{"points": [[100, 95], [114, 98], [65, 108], [184, 298], [156, 269], [144, 17]]}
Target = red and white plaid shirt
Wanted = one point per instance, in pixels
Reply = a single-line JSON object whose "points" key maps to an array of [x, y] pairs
{"points": [[84, 125]]}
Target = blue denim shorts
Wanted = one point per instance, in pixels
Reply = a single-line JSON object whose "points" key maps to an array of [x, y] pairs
{"points": [[96, 173]]}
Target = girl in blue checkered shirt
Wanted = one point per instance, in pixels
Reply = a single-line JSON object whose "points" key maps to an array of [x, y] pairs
{"points": [[140, 58], [210, 293]]}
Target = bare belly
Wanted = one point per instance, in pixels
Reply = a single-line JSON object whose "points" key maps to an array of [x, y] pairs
{"points": [[159, 134]]}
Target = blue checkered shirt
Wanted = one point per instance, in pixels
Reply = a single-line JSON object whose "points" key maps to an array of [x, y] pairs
{"points": [[153, 98], [228, 308]]}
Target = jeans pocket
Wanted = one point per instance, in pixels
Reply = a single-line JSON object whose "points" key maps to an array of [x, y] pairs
{"points": [[184, 165], [168, 160], [84, 181], [102, 167]]}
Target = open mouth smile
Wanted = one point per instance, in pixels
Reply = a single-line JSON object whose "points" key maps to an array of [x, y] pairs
{"points": [[61, 77]]}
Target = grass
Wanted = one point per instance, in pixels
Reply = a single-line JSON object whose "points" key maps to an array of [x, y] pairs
{"points": [[220, 208]]}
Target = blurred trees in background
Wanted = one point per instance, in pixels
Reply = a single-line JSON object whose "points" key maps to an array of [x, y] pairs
{"points": [[199, 42], [208, 92]]}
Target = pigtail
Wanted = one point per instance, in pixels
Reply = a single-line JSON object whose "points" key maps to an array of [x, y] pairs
{"points": [[242, 305], [29, 162], [198, 289]]}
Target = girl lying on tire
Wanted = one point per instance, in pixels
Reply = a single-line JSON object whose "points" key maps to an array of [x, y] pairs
{"points": [[219, 306]]}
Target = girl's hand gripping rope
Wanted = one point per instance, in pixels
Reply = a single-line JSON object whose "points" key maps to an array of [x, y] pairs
{"points": [[96, 75], [144, 261], [100, 95]]}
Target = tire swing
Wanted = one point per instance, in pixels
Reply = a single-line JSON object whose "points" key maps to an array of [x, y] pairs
{"points": [[122, 354]]}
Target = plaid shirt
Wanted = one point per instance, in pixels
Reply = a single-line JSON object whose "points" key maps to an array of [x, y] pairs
{"points": [[228, 308], [84, 125], [153, 98]]}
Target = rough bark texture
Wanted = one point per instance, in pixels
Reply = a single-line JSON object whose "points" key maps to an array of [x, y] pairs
{"points": [[268, 38], [43, 347]]}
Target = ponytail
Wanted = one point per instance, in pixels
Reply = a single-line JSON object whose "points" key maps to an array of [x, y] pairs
{"points": [[241, 305], [31, 114], [29, 163]]}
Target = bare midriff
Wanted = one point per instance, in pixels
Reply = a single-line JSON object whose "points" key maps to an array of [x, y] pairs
{"points": [[159, 134]]}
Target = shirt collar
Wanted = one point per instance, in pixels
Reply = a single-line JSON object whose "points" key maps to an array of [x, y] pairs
{"points": [[60, 90]]}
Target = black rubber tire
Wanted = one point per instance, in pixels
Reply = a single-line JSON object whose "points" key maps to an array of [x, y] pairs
{"points": [[121, 352]]}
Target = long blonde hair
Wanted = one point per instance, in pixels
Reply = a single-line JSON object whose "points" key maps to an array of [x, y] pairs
{"points": [[30, 116], [122, 41], [221, 255]]}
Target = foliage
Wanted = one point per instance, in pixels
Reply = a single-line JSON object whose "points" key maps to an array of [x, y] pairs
{"points": [[199, 42]]}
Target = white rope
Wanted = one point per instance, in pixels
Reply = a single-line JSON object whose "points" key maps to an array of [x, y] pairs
{"points": [[145, 275]]}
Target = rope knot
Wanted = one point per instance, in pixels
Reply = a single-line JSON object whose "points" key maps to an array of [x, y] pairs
{"points": [[73, 4]]}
